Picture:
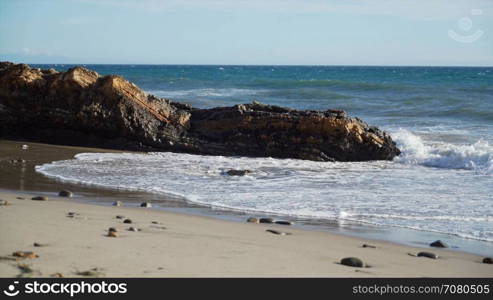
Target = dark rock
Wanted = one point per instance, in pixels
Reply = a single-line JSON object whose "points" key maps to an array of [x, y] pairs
{"points": [[368, 246], [281, 222], [146, 204], [278, 232], [439, 244], [253, 220], [80, 107], [352, 262], [487, 260], [238, 172], [65, 193], [112, 229], [427, 254], [154, 222], [39, 245], [40, 198], [133, 229], [120, 217], [127, 221], [266, 220]]}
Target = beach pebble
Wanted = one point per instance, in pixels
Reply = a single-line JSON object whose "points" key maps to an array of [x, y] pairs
{"points": [[20, 198], [154, 222], [439, 244], [146, 204], [4, 202], [39, 244], [252, 220], [24, 147], [71, 214], [40, 198], [368, 246], [65, 193], [120, 217], [25, 254], [112, 229], [427, 254], [127, 221], [352, 262], [278, 232], [281, 222], [117, 203], [133, 229], [266, 220], [112, 234], [487, 260], [238, 172]]}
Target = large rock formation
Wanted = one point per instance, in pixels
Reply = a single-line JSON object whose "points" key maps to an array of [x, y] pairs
{"points": [[79, 107]]}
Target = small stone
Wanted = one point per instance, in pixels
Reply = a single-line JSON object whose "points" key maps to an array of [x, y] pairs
{"points": [[266, 220], [280, 222], [146, 204], [90, 273], [117, 203], [40, 198], [368, 246], [120, 217], [133, 229], [20, 198], [427, 254], [112, 234], [238, 172], [38, 244], [4, 202], [252, 220], [352, 262], [487, 260], [439, 244], [278, 232], [65, 193], [112, 229], [127, 221], [154, 222], [24, 147], [25, 254], [71, 214]]}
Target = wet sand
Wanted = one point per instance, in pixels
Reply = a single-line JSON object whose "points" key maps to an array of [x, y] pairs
{"points": [[177, 245]]}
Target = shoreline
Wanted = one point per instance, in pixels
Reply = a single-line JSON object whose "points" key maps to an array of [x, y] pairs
{"points": [[470, 264]]}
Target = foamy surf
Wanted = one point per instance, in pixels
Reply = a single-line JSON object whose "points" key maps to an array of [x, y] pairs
{"points": [[403, 193]]}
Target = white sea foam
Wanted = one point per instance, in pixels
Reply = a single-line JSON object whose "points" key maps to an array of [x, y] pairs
{"points": [[404, 193], [205, 92], [477, 156]]}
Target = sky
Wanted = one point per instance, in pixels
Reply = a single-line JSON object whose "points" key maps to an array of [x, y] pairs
{"points": [[253, 32]]}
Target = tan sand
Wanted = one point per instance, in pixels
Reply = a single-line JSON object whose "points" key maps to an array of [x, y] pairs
{"points": [[190, 246], [179, 245]]}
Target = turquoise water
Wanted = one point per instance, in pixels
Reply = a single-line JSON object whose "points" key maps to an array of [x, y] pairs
{"points": [[441, 118]]}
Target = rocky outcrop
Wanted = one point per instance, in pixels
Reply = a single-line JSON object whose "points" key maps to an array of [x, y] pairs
{"points": [[79, 107]]}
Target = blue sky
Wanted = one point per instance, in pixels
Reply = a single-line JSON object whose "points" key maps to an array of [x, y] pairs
{"points": [[309, 32]]}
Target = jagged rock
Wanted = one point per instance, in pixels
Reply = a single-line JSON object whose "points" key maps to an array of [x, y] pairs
{"points": [[80, 107]]}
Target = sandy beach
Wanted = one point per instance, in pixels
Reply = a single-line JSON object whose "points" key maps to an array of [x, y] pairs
{"points": [[74, 241]]}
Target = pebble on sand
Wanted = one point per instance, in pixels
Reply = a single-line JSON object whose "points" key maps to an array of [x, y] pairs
{"points": [[278, 232], [368, 246], [266, 220], [252, 220], [4, 202], [282, 222], [133, 229], [40, 198], [35, 244], [118, 203], [146, 204], [112, 234], [487, 260], [120, 217], [65, 193], [439, 244], [127, 221], [112, 229], [352, 262], [427, 254], [25, 254], [24, 147]]}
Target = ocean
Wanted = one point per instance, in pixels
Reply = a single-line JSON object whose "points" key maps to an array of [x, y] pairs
{"points": [[440, 117]]}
